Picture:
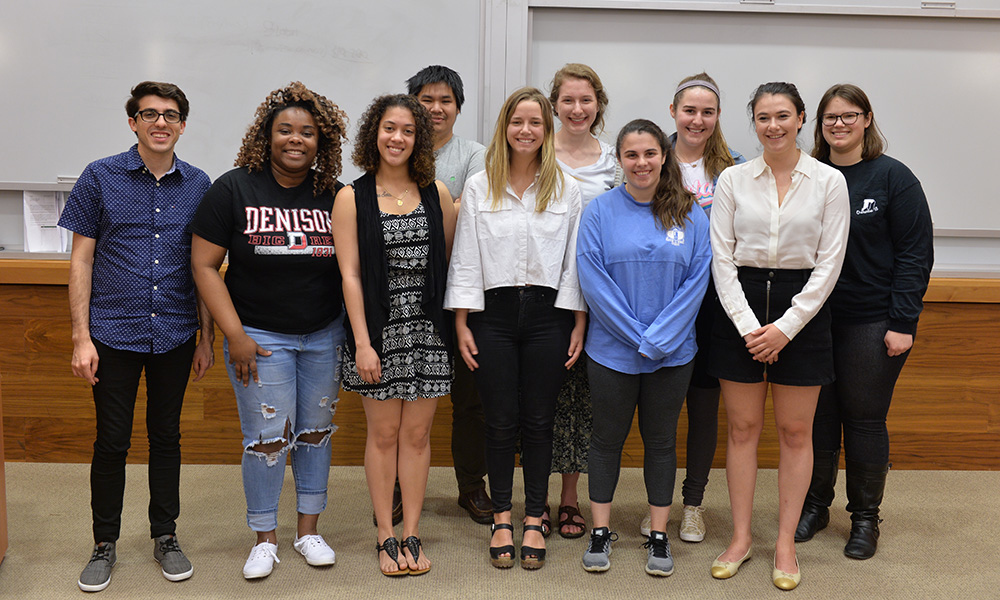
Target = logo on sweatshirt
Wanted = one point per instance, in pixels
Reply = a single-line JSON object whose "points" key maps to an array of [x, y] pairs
{"points": [[867, 208], [675, 235]]}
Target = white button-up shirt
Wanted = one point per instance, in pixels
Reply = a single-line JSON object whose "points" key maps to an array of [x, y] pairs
{"points": [[807, 231], [514, 245]]}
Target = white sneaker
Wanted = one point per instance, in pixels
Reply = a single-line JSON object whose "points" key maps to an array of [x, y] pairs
{"points": [[693, 524], [316, 550], [261, 560], [646, 526]]}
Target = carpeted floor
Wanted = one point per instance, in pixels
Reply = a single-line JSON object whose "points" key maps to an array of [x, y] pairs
{"points": [[939, 540]]}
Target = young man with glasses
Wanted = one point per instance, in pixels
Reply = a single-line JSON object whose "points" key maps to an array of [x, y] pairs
{"points": [[133, 309], [456, 159]]}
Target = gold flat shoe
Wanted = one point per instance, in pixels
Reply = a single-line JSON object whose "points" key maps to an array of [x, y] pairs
{"points": [[786, 581], [725, 570]]}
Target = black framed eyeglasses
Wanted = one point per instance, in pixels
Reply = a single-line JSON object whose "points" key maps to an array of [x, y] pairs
{"points": [[150, 115], [847, 118]]}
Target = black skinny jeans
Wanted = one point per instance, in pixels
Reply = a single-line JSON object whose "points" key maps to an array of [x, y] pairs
{"points": [[114, 399], [859, 400], [659, 396], [522, 340]]}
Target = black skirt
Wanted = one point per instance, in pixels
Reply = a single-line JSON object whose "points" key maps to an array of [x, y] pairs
{"points": [[805, 361]]}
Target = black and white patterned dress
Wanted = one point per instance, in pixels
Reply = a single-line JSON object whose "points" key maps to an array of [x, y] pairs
{"points": [[415, 361]]}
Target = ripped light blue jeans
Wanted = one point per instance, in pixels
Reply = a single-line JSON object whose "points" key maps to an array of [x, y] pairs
{"points": [[298, 391]]}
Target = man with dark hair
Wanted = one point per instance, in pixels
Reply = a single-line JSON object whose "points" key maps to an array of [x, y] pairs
{"points": [[440, 90], [133, 307]]}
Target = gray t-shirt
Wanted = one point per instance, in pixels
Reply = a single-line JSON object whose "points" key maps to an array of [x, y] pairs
{"points": [[458, 160]]}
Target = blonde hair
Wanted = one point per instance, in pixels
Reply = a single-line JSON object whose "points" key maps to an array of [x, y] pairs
{"points": [[550, 176], [717, 155]]}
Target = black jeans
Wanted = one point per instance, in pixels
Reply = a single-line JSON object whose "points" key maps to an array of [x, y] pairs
{"points": [[522, 340], [659, 397], [114, 399], [859, 399]]}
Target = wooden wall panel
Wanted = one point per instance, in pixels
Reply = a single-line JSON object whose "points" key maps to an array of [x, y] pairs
{"points": [[945, 415]]}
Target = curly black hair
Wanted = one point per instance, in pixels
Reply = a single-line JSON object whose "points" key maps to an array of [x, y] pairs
{"points": [[366, 156], [255, 153]]}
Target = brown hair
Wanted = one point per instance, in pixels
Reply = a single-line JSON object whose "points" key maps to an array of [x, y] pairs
{"points": [[717, 155], [550, 176], [581, 71], [778, 88], [255, 153], [874, 142], [672, 202], [157, 88], [366, 156]]}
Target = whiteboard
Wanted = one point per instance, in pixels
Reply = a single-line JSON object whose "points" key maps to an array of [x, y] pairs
{"points": [[934, 82], [66, 68]]}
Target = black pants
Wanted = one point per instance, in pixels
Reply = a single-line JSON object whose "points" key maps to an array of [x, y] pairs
{"points": [[858, 401], [702, 406], [468, 436], [114, 399], [522, 340], [659, 397]]}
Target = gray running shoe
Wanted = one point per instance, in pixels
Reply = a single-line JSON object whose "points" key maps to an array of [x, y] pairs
{"points": [[173, 563], [598, 555], [97, 574], [659, 562]]}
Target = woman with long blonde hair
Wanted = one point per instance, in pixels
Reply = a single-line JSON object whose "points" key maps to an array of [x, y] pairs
{"points": [[519, 312]]}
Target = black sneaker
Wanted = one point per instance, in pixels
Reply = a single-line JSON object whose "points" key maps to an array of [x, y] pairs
{"points": [[597, 558], [97, 574], [659, 562], [173, 563]]}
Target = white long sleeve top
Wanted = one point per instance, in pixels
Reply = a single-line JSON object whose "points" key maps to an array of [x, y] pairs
{"points": [[514, 245], [807, 231]]}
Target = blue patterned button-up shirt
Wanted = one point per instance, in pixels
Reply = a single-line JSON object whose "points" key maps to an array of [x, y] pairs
{"points": [[142, 296]]}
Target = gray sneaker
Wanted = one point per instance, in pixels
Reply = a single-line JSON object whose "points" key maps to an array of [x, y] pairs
{"points": [[659, 562], [598, 555], [97, 574], [173, 563]]}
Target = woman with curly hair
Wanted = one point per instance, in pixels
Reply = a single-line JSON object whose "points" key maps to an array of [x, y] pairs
{"points": [[279, 307], [519, 312], [393, 229]]}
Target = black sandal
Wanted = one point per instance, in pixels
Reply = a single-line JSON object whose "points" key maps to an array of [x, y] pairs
{"points": [[413, 544], [532, 558], [391, 548], [498, 561], [546, 522]]}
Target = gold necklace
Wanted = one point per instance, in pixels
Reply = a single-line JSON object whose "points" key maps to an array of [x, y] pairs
{"points": [[398, 199]]}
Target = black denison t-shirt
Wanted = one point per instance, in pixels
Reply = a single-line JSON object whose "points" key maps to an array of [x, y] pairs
{"points": [[283, 273]]}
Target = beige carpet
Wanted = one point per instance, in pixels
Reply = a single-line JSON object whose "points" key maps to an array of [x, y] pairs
{"points": [[939, 540]]}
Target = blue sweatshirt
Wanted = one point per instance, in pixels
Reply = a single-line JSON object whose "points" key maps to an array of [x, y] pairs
{"points": [[643, 284]]}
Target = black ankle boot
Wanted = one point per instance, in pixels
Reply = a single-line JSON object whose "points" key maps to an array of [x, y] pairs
{"points": [[865, 487], [816, 509]]}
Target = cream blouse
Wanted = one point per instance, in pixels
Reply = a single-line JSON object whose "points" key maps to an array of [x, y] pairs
{"points": [[807, 231]]}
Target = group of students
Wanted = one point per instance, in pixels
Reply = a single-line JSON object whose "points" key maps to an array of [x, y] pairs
{"points": [[587, 281]]}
